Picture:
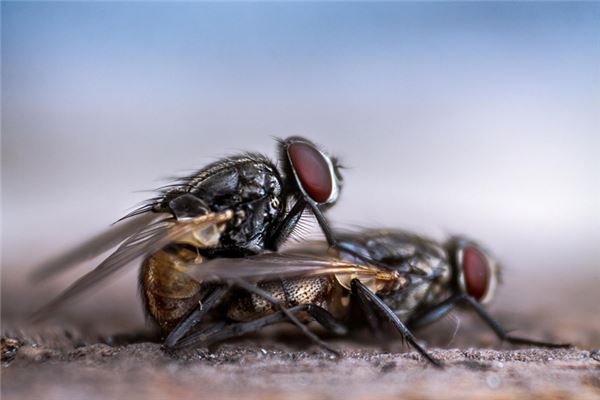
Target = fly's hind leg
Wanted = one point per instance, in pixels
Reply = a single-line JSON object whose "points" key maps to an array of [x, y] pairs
{"points": [[321, 315], [185, 325]]}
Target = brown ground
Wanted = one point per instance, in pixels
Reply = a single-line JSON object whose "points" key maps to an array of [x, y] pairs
{"points": [[71, 361]]}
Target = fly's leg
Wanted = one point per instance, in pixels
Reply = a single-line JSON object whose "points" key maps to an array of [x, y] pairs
{"points": [[186, 324], [359, 289], [434, 312], [321, 315], [267, 296], [333, 242], [286, 226], [426, 316], [325, 318], [371, 316], [501, 333]]}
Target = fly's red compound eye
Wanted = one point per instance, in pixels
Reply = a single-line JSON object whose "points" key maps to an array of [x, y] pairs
{"points": [[313, 171], [476, 272]]}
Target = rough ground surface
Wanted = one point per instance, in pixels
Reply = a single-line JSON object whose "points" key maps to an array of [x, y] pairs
{"points": [[74, 361]]}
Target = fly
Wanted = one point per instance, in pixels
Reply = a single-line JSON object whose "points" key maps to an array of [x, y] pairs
{"points": [[414, 282], [235, 207]]}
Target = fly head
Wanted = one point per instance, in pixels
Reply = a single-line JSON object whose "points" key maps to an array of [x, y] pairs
{"points": [[476, 273], [310, 173]]}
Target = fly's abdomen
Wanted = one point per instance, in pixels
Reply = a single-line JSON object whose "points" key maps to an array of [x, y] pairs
{"points": [[168, 293], [290, 292]]}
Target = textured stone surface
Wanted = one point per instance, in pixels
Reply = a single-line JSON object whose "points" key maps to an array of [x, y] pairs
{"points": [[70, 358], [144, 371], [55, 363]]}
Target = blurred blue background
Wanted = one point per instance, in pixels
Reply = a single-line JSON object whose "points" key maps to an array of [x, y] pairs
{"points": [[478, 118]]}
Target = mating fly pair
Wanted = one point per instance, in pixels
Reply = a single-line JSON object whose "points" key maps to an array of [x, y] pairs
{"points": [[210, 242]]}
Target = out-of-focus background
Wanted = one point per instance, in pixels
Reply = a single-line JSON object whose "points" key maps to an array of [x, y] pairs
{"points": [[474, 118]]}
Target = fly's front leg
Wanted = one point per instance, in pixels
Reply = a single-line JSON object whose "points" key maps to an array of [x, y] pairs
{"points": [[433, 313], [371, 316], [359, 289], [426, 316], [332, 241], [501, 333], [286, 226]]}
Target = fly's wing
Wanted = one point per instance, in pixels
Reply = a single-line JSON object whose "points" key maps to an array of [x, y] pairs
{"points": [[95, 246], [137, 224], [201, 231], [270, 266]]}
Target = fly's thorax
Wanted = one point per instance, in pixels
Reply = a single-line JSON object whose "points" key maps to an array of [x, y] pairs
{"points": [[258, 202], [429, 281], [389, 246], [249, 185], [421, 266]]}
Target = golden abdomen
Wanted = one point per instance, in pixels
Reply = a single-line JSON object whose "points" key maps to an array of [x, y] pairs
{"points": [[169, 293]]}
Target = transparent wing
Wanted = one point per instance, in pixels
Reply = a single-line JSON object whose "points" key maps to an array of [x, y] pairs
{"points": [[200, 231], [281, 265], [94, 246]]}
